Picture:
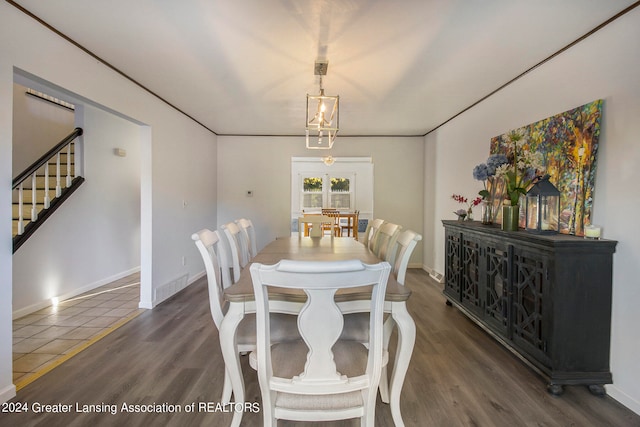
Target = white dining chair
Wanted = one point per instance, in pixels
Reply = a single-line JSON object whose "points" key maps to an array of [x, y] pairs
{"points": [[283, 326], [315, 223], [237, 248], [370, 232], [384, 240], [356, 327], [319, 377], [249, 234], [405, 244]]}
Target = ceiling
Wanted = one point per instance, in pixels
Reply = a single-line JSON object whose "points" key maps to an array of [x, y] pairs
{"points": [[401, 67]]}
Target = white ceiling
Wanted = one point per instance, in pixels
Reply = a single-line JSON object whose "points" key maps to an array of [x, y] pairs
{"points": [[401, 67]]}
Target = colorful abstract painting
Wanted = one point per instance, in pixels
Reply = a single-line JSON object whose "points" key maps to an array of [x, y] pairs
{"points": [[569, 144]]}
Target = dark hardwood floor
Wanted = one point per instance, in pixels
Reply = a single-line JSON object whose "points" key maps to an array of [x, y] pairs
{"points": [[459, 376]]}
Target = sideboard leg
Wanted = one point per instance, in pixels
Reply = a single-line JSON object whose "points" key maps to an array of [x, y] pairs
{"points": [[555, 389], [597, 390], [448, 303]]}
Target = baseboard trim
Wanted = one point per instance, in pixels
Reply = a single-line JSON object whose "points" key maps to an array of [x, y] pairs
{"points": [[43, 304], [623, 398], [7, 393]]}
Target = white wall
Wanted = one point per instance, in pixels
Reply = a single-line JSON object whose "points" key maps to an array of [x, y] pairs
{"points": [[178, 160], [245, 162], [38, 125], [7, 389], [603, 66], [94, 237]]}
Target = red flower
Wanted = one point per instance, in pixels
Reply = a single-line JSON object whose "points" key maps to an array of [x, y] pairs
{"points": [[458, 198]]}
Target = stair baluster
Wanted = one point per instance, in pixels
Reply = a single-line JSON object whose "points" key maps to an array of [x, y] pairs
{"points": [[58, 187], [47, 199], [20, 207], [69, 165], [34, 208]]}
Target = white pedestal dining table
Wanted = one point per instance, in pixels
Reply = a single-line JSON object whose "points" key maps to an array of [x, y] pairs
{"points": [[241, 301]]}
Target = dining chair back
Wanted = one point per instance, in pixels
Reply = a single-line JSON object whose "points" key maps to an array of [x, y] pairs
{"points": [[319, 377], [334, 226], [237, 248], [384, 240], [249, 234], [350, 224], [405, 244], [313, 224], [208, 243], [370, 232]]}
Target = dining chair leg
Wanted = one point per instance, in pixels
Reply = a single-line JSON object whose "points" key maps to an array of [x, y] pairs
{"points": [[231, 357], [387, 330], [369, 418], [406, 342], [226, 388]]}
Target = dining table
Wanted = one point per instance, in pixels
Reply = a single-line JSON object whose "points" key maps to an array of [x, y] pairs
{"points": [[240, 299]]}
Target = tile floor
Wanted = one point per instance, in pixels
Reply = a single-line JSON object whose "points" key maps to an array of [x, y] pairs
{"points": [[44, 338]]}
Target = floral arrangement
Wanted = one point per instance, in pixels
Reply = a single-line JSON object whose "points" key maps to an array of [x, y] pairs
{"points": [[486, 172], [462, 213], [521, 171]]}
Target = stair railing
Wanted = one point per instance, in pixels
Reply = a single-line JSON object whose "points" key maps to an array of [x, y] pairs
{"points": [[31, 172]]}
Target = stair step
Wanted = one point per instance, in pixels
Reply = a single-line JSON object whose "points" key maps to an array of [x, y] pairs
{"points": [[40, 192], [26, 210], [52, 169], [27, 193], [40, 179]]}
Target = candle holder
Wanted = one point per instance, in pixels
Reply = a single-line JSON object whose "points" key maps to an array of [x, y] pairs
{"points": [[592, 232], [542, 209]]}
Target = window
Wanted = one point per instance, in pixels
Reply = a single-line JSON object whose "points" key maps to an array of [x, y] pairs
{"points": [[312, 195], [326, 191], [340, 197], [347, 185]]}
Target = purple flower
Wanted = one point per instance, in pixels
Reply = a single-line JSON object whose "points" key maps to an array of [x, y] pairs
{"points": [[481, 172], [494, 161]]}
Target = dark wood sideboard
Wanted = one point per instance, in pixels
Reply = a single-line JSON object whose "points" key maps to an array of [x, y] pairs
{"points": [[547, 298]]}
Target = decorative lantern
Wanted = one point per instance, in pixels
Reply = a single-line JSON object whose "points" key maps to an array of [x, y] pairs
{"points": [[543, 207]]}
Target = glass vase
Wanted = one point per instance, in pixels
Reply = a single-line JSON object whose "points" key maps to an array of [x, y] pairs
{"points": [[510, 217], [486, 212]]}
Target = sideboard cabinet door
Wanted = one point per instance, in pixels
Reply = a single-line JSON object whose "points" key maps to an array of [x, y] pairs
{"points": [[453, 267], [471, 288], [497, 295], [531, 303]]}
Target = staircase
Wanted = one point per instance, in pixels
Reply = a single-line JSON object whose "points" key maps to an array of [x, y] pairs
{"points": [[42, 187]]}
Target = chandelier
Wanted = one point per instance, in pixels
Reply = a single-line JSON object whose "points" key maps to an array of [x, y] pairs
{"points": [[322, 115]]}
